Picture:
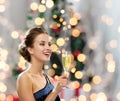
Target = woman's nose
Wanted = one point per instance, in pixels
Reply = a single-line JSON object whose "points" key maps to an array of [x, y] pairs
{"points": [[48, 47]]}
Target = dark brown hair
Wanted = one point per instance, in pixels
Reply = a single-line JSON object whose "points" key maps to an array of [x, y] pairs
{"points": [[28, 42]]}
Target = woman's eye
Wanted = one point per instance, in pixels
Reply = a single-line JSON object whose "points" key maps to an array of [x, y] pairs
{"points": [[42, 44], [49, 44]]}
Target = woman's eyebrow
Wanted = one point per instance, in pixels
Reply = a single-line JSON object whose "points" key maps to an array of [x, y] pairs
{"points": [[41, 41], [45, 41]]}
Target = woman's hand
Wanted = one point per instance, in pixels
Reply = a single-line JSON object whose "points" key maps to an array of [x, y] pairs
{"points": [[62, 82]]}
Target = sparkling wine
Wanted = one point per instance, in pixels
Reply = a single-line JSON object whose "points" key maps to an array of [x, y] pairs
{"points": [[66, 61]]}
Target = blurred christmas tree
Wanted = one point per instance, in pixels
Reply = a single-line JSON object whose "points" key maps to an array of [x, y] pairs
{"points": [[64, 26]]}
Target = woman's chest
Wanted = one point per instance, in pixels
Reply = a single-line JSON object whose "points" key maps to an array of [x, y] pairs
{"points": [[38, 83]]}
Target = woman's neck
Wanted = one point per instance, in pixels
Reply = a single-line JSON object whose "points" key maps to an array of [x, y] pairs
{"points": [[36, 68]]}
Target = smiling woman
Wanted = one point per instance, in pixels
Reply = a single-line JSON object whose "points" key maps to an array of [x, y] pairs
{"points": [[39, 86]]}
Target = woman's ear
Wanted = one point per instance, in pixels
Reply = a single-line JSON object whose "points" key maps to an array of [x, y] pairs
{"points": [[30, 50]]}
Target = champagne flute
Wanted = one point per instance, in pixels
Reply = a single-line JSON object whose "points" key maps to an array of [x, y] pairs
{"points": [[66, 61]]}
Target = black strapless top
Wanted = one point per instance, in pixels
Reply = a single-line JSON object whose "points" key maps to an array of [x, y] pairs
{"points": [[43, 93]]}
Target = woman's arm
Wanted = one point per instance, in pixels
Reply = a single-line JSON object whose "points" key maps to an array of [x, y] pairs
{"points": [[62, 82], [24, 88]]}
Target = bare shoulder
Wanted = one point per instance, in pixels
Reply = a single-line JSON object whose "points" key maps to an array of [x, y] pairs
{"points": [[24, 78]]}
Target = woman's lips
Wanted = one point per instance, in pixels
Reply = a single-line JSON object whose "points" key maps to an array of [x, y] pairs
{"points": [[47, 54]]}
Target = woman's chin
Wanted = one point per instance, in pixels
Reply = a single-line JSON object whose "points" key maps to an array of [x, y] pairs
{"points": [[46, 60]]}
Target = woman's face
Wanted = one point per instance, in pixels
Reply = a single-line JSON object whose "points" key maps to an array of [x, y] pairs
{"points": [[41, 50]]}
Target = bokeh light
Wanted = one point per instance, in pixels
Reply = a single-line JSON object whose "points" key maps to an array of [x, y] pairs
{"points": [[34, 6], [3, 87], [86, 87], [78, 74], [39, 21], [2, 8], [75, 32], [2, 97], [96, 79], [75, 84], [82, 98], [60, 41], [9, 98], [111, 66], [81, 57], [54, 47], [73, 21], [14, 34], [49, 3], [42, 8], [2, 1]]}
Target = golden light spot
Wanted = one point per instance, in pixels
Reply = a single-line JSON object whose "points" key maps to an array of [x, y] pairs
{"points": [[58, 24], [78, 74], [15, 35], [54, 16], [73, 21], [81, 57], [111, 66], [64, 23], [87, 87], [41, 8], [109, 57], [61, 19], [39, 21], [3, 87], [96, 79], [46, 67], [69, 26], [75, 84], [22, 63], [49, 3], [93, 96], [73, 70], [101, 97], [56, 77], [75, 32], [2, 8], [2, 97], [82, 98], [55, 66], [34, 6], [60, 41], [54, 47]]}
